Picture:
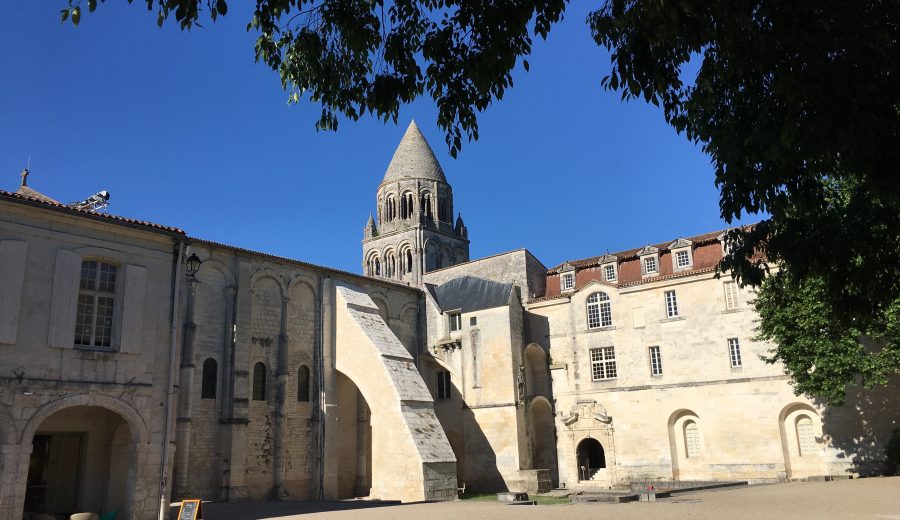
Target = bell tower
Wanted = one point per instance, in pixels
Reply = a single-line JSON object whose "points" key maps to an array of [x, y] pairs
{"points": [[412, 231]]}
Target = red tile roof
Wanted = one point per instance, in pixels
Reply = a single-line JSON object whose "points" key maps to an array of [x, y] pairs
{"points": [[46, 201], [631, 253]]}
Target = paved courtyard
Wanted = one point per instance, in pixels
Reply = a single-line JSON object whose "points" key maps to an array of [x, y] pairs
{"points": [[874, 498]]}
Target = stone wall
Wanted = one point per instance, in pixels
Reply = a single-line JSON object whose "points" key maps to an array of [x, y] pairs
{"points": [[46, 376]]}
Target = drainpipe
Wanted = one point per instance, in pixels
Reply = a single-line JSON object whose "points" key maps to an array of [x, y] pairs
{"points": [[163, 510]]}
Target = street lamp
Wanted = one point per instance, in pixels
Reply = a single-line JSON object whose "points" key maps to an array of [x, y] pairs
{"points": [[193, 264]]}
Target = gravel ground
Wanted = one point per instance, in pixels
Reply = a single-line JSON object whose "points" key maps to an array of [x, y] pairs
{"points": [[872, 498]]}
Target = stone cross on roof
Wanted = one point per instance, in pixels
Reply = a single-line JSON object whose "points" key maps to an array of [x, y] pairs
{"points": [[24, 175]]}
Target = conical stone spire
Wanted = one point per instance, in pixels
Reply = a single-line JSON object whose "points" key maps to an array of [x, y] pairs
{"points": [[414, 159]]}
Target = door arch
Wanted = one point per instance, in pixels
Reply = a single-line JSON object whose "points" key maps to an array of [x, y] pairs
{"points": [[84, 458], [590, 457]]}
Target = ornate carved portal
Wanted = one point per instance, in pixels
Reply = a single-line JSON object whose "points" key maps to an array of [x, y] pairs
{"points": [[590, 443]]}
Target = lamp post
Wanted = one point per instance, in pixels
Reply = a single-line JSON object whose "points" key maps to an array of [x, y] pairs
{"points": [[193, 264]]}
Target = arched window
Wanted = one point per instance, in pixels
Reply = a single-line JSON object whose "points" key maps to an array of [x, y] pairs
{"points": [[406, 205], [259, 382], [426, 205], [96, 302], [409, 261], [377, 267], [210, 377], [303, 384], [599, 311], [390, 265], [691, 439], [806, 436]]}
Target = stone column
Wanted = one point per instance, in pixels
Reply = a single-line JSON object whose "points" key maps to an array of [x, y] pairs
{"points": [[329, 413], [186, 395], [278, 491], [13, 476], [234, 449]]}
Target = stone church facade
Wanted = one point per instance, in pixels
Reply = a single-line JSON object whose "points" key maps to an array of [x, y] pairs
{"points": [[142, 365]]}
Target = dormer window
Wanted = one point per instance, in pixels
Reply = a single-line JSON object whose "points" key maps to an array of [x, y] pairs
{"points": [[567, 281], [682, 257], [567, 277], [609, 265], [609, 272], [649, 265], [649, 256]]}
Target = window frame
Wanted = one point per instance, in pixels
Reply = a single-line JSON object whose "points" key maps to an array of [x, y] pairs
{"points": [[806, 444], [695, 437], [602, 305], [444, 386], [731, 295], [567, 281], [655, 354], [645, 271], [610, 268], [676, 259], [116, 295], [734, 353], [603, 363], [671, 304], [454, 321]]}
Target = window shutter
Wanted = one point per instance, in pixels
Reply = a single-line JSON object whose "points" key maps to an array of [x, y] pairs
{"points": [[12, 276], [133, 308], [64, 299]]}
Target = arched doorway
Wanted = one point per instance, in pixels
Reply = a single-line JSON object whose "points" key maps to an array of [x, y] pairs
{"points": [[82, 459], [591, 459], [354, 440], [543, 437]]}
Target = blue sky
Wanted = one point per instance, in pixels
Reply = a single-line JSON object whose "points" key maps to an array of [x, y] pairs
{"points": [[184, 129]]}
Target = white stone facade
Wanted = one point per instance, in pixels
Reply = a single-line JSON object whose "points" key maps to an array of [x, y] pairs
{"points": [[286, 380]]}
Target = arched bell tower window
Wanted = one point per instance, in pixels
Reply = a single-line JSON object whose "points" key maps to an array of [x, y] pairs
{"points": [[406, 205], [390, 208], [376, 267], [426, 205], [409, 261]]}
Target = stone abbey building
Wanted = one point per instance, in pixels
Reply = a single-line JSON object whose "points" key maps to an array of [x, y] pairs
{"points": [[141, 365]]}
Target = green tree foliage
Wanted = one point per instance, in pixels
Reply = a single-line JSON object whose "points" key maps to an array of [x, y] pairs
{"points": [[822, 355], [797, 104]]}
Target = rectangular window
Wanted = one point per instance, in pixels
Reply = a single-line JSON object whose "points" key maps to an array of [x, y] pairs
{"points": [[455, 321], [655, 362], [671, 304], [473, 321], [610, 272], [682, 259], [568, 281], [734, 349], [96, 303], [603, 363], [731, 295], [650, 265], [444, 386]]}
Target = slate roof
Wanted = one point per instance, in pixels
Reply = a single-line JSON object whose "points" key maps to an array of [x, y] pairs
{"points": [[43, 200], [470, 294], [414, 159]]}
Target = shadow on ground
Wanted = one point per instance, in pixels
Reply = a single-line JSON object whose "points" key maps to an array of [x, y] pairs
{"points": [[260, 510]]}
